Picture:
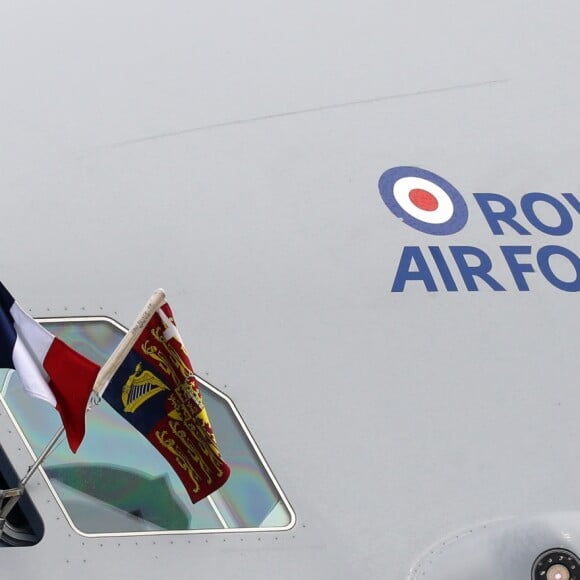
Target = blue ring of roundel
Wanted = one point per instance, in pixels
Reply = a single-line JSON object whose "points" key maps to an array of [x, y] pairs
{"points": [[451, 226]]}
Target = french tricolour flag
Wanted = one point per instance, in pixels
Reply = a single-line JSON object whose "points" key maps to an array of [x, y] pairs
{"points": [[48, 368]]}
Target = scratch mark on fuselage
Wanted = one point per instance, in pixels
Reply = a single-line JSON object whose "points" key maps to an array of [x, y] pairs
{"points": [[208, 127]]}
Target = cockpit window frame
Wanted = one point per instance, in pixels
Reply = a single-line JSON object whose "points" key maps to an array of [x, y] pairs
{"points": [[219, 394]]}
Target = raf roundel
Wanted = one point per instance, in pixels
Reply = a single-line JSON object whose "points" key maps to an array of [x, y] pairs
{"points": [[423, 200]]}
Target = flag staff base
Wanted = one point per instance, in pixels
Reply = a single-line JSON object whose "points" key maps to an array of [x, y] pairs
{"points": [[14, 494]]}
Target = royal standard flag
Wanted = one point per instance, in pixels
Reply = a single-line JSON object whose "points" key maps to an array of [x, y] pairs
{"points": [[155, 390]]}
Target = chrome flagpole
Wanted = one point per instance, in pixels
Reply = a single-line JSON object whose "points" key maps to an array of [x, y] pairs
{"points": [[15, 493]]}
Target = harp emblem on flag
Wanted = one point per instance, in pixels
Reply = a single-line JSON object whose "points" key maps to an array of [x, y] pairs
{"points": [[140, 387]]}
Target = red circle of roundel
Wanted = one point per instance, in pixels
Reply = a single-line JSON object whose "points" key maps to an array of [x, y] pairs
{"points": [[423, 199]]}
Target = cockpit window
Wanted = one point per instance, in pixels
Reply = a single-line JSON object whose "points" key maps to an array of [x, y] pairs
{"points": [[117, 483]]}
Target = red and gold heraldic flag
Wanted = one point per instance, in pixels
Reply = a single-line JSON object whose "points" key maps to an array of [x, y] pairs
{"points": [[155, 390]]}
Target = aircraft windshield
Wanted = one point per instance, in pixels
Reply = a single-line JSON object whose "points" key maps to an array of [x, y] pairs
{"points": [[118, 483]]}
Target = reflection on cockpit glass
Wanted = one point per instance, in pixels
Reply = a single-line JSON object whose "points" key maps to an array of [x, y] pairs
{"points": [[118, 483]]}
